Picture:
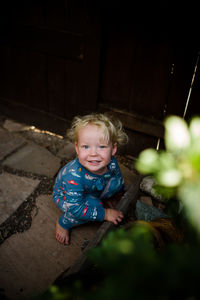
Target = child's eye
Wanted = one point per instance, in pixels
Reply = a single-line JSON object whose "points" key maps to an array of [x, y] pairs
{"points": [[102, 146], [85, 146]]}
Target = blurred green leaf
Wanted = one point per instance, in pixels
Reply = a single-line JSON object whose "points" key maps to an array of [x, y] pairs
{"points": [[189, 193], [194, 128], [148, 161], [167, 160]]}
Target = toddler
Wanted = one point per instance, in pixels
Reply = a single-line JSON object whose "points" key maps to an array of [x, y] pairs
{"points": [[83, 184]]}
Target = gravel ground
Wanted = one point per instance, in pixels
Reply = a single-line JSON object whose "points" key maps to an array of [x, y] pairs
{"points": [[21, 219]]}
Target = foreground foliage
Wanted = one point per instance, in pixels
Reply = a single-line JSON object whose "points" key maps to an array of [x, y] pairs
{"points": [[177, 169], [130, 267]]}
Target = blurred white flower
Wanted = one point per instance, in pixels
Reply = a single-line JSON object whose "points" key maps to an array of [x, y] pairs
{"points": [[177, 136], [169, 178]]}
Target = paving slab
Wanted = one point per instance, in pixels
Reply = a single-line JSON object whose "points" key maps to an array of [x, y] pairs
{"points": [[67, 151], [9, 142], [32, 260], [13, 191], [13, 126], [35, 159]]}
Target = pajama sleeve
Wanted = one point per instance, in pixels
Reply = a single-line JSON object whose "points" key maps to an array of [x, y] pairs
{"points": [[69, 190]]}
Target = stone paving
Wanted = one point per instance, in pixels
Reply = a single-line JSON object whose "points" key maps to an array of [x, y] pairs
{"points": [[30, 257], [35, 159], [14, 190], [9, 143]]}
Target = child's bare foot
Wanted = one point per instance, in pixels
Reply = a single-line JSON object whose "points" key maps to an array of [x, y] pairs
{"points": [[62, 235]]}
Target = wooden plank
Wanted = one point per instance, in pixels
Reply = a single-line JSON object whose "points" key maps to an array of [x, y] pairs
{"points": [[117, 67], [136, 67], [26, 114], [56, 86], [55, 13], [38, 81], [20, 70], [7, 76], [137, 122], [50, 41], [129, 197]]}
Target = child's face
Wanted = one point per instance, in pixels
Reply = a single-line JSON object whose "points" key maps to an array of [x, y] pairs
{"points": [[94, 152]]}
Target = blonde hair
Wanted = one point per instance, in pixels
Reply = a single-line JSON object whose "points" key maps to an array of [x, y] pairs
{"points": [[112, 127]]}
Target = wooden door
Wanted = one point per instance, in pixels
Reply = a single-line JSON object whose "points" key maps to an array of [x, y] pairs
{"points": [[147, 66], [49, 52]]}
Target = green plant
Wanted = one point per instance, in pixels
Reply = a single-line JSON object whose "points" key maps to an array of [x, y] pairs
{"points": [[132, 268], [177, 169]]}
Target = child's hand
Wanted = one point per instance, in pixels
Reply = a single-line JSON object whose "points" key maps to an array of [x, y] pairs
{"points": [[113, 215]]}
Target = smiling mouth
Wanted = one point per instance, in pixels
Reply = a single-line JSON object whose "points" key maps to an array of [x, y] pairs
{"points": [[94, 162]]}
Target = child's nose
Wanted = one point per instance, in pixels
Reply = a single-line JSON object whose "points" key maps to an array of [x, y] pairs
{"points": [[93, 151]]}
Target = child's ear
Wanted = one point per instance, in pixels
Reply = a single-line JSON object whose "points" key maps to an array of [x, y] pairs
{"points": [[114, 149]]}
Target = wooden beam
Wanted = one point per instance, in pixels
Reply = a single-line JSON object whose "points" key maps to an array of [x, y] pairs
{"points": [[136, 122], [82, 263], [32, 116]]}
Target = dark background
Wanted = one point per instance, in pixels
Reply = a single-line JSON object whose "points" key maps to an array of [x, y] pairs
{"points": [[68, 57]]}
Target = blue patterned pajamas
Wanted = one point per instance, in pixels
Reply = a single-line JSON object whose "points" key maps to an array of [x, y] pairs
{"points": [[79, 193]]}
